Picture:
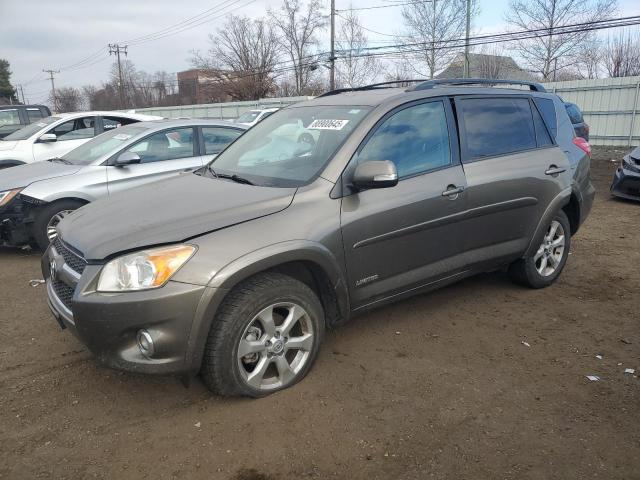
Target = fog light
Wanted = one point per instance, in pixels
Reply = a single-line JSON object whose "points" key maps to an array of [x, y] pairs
{"points": [[145, 343]]}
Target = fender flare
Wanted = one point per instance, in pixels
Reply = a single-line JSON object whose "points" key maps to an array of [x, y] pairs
{"points": [[250, 264], [560, 201]]}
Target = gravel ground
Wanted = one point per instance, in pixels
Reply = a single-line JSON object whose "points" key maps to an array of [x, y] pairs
{"points": [[438, 386]]}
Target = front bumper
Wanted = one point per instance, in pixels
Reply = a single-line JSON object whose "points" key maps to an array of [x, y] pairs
{"points": [[14, 223], [626, 184], [107, 323]]}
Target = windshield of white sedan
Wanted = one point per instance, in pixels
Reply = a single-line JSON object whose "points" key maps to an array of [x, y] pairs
{"points": [[29, 130], [107, 143], [289, 148]]}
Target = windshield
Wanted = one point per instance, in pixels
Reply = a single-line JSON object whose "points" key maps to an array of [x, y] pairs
{"points": [[105, 144], [29, 130], [289, 148], [248, 117]]}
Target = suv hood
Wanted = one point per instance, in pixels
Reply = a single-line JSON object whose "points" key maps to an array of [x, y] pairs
{"points": [[167, 211], [23, 175]]}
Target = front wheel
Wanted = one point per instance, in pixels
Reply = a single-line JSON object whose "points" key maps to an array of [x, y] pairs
{"points": [[45, 225], [264, 338], [541, 268]]}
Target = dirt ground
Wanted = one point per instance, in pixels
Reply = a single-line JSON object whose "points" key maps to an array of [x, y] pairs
{"points": [[439, 386]]}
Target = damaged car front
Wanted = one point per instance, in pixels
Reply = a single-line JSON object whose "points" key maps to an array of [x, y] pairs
{"points": [[626, 180]]}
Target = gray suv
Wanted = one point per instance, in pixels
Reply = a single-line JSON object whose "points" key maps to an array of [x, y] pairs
{"points": [[236, 271]]}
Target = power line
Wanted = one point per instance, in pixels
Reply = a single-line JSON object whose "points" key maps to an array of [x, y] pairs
{"points": [[375, 7]]}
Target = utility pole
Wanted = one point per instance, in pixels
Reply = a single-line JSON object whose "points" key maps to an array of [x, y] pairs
{"points": [[117, 49], [21, 93], [332, 58], [53, 86], [466, 41]]}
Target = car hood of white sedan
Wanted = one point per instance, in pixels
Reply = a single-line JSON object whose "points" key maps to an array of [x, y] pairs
{"points": [[24, 175], [8, 145]]}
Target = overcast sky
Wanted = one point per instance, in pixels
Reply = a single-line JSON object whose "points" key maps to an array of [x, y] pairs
{"points": [[35, 35]]}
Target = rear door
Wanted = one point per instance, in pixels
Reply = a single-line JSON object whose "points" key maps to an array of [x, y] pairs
{"points": [[513, 169], [402, 237], [162, 154]]}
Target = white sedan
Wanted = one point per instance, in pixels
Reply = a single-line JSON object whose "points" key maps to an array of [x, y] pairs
{"points": [[54, 136]]}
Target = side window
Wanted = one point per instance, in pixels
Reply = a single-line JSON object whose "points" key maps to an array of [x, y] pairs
{"points": [[76, 129], [34, 114], [416, 139], [9, 117], [496, 126], [548, 111], [542, 134], [165, 145], [109, 123], [217, 138]]}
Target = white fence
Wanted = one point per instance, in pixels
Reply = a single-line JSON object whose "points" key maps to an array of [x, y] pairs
{"points": [[611, 107]]}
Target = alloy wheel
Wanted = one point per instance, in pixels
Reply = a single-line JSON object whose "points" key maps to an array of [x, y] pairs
{"points": [[548, 257], [275, 346]]}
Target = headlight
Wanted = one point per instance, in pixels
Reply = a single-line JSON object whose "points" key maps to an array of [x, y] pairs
{"points": [[143, 270], [8, 195], [630, 164]]}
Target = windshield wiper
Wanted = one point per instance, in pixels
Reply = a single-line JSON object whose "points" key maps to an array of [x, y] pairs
{"points": [[235, 178], [59, 160]]}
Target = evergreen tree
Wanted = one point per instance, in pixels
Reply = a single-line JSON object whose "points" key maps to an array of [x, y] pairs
{"points": [[7, 92]]}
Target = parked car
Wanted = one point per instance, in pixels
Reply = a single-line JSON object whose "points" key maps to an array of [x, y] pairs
{"points": [[14, 117], [579, 125], [236, 272], [34, 198], [252, 117], [52, 137], [626, 180]]}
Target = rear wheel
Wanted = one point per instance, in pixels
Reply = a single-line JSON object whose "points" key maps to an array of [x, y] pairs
{"points": [[541, 268], [264, 338], [45, 225]]}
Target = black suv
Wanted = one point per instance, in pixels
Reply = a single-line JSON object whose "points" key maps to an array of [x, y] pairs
{"points": [[14, 117], [236, 269]]}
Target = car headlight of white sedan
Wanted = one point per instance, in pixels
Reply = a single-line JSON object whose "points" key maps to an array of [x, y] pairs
{"points": [[8, 195]]}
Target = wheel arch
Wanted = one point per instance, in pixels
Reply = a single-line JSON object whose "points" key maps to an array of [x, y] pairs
{"points": [[558, 203], [573, 210], [309, 262]]}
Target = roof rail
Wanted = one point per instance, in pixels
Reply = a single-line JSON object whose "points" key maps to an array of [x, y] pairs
{"points": [[534, 86], [373, 86]]}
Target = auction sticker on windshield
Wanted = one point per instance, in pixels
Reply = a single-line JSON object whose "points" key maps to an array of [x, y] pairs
{"points": [[122, 136], [327, 124]]}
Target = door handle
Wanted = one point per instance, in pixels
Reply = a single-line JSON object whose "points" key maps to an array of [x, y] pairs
{"points": [[554, 170], [452, 192]]}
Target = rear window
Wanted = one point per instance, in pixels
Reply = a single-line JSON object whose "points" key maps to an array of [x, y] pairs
{"points": [[496, 126], [548, 111], [34, 114]]}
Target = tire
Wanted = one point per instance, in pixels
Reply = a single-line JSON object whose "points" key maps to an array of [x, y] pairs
{"points": [[541, 268], [257, 374], [45, 216]]}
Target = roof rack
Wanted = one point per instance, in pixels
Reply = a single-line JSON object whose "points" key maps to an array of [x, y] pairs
{"points": [[373, 86], [428, 84]]}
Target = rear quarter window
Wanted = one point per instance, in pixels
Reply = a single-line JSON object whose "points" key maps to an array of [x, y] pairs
{"points": [[496, 126], [548, 111]]}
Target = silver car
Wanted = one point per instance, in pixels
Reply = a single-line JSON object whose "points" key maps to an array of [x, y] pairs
{"points": [[34, 198]]}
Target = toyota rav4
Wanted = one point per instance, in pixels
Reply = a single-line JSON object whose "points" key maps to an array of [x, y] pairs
{"points": [[236, 270]]}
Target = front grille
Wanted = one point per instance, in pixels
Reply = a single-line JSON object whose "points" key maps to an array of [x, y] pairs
{"points": [[64, 292], [74, 261]]}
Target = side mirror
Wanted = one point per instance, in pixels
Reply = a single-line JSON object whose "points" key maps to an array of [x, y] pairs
{"points": [[127, 158], [375, 174], [48, 138]]}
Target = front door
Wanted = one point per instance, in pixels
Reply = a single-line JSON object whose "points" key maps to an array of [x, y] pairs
{"points": [[403, 237], [70, 134], [162, 154]]}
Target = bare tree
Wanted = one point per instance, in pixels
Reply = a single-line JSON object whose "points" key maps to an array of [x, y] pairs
{"points": [[298, 26], [434, 25], [353, 68], [622, 54], [590, 58], [491, 62], [241, 59], [68, 99], [550, 53]]}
